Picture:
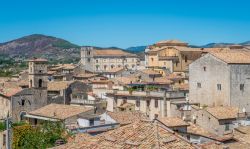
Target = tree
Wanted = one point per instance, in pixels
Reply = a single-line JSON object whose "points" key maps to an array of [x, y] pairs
{"points": [[40, 137]]}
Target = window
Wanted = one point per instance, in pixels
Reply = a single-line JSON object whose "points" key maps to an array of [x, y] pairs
{"points": [[152, 59], [97, 67], [218, 87], [156, 116], [198, 85], [156, 103], [88, 52], [105, 67], [148, 103], [22, 115], [40, 83], [88, 59], [137, 103], [91, 122], [96, 61], [227, 126], [4, 139], [22, 102], [112, 66], [194, 121], [35, 121], [204, 68], [242, 87], [124, 101], [176, 64], [185, 59], [30, 83]]}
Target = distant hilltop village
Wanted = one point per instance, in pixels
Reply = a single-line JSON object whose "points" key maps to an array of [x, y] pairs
{"points": [[178, 97]]}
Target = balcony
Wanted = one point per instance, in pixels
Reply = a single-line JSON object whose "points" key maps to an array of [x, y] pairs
{"points": [[169, 94], [87, 102]]}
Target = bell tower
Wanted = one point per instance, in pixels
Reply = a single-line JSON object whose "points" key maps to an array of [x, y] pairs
{"points": [[87, 60], [38, 73], [38, 79]]}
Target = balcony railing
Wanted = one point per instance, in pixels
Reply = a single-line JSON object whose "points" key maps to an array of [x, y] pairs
{"points": [[170, 94], [86, 102]]}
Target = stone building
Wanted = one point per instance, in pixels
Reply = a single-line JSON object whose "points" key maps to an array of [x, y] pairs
{"points": [[221, 78], [171, 56], [5, 100], [107, 59], [35, 96], [218, 120], [152, 103]]}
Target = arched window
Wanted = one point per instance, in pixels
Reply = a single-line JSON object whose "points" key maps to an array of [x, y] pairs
{"points": [[22, 115], [40, 83]]}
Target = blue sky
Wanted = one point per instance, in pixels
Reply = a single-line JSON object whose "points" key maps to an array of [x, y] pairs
{"points": [[125, 23]]}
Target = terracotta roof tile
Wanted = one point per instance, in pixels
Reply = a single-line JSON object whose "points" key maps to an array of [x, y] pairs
{"points": [[112, 52], [223, 112], [140, 134], [233, 57], [170, 41], [8, 92], [173, 122], [58, 85], [150, 72], [126, 117], [59, 111]]}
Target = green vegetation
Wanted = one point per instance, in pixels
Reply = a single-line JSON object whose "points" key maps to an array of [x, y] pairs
{"points": [[10, 66], [40, 137], [2, 126], [152, 88], [64, 44]]}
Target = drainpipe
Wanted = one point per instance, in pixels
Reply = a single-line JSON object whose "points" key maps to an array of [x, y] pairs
{"points": [[164, 104]]}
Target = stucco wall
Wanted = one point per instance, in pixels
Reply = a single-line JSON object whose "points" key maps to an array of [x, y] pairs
{"points": [[4, 107], [240, 74], [216, 72]]}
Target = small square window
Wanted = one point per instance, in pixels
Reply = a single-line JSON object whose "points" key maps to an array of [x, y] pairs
{"points": [[204, 68], [218, 87], [137, 103], [156, 103], [198, 85], [242, 87]]}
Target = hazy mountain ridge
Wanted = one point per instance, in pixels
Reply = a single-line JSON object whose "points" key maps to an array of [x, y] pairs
{"points": [[37, 45], [57, 49]]}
